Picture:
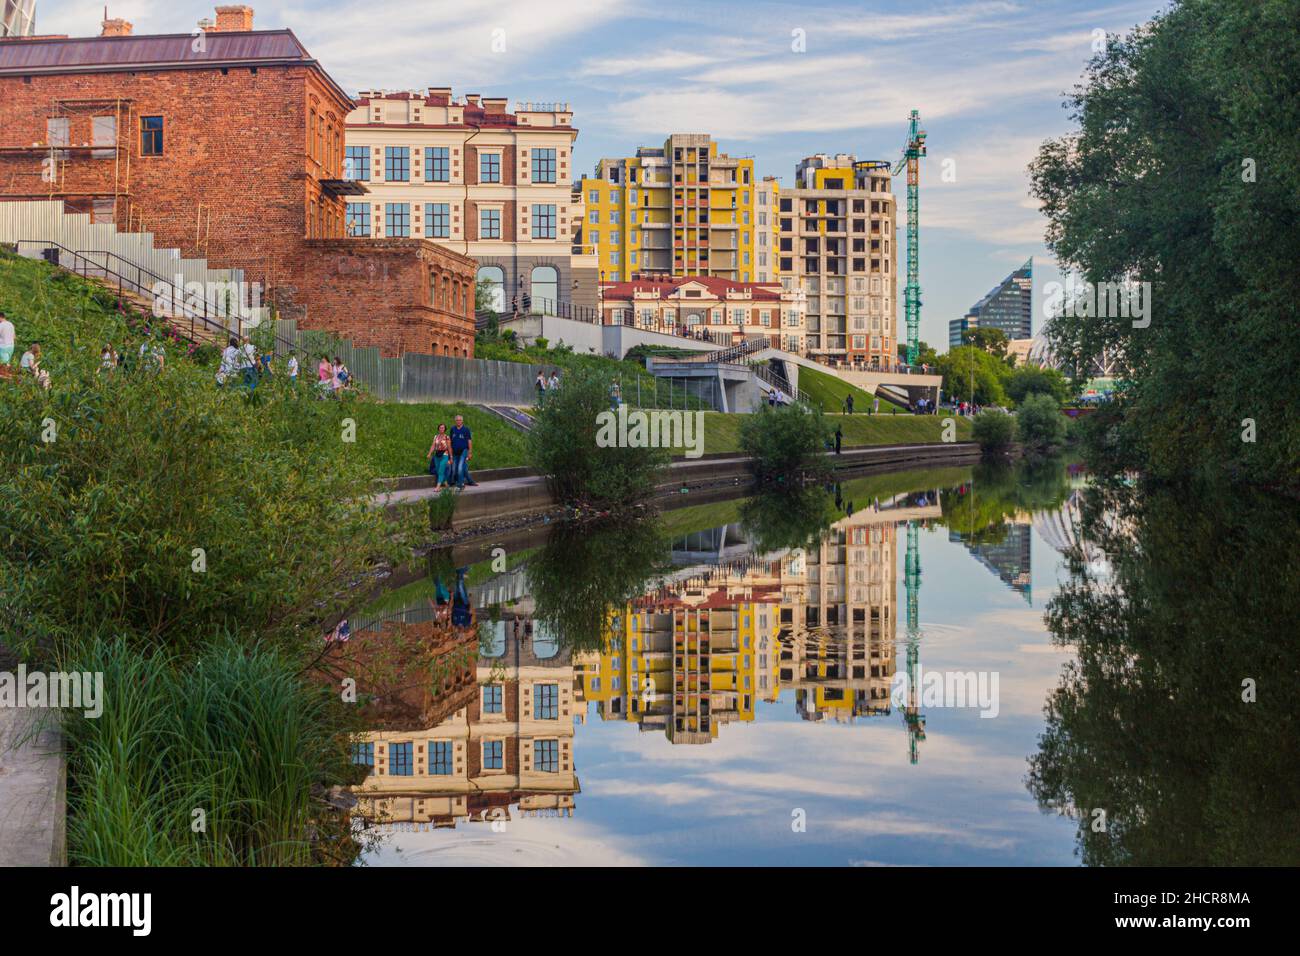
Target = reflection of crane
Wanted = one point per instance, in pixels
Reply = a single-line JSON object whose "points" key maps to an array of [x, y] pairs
{"points": [[913, 150], [912, 579]]}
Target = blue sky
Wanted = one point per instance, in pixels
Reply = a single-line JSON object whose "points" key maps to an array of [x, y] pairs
{"points": [[987, 76]]}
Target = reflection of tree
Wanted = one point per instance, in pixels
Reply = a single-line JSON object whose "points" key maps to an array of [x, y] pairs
{"points": [[980, 510], [1149, 722], [794, 518], [586, 569]]}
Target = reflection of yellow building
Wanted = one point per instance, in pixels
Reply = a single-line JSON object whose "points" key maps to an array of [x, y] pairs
{"points": [[508, 742]]}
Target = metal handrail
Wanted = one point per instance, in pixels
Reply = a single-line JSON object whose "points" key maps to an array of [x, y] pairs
{"points": [[125, 284]]}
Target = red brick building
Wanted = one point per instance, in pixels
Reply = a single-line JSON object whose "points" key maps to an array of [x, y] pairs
{"points": [[227, 144]]}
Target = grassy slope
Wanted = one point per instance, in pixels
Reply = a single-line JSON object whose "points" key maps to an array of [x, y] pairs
{"points": [[829, 391]]}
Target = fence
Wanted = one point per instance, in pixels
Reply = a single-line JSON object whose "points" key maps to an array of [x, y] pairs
{"points": [[415, 377]]}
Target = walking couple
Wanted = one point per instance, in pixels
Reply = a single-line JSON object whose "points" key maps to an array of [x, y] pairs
{"points": [[450, 454]]}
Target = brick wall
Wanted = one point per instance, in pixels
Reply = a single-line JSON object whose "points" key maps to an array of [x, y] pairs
{"points": [[240, 183], [382, 292]]}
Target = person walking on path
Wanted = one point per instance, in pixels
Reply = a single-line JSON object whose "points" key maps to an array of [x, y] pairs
{"points": [[291, 369], [875, 406], [555, 379], [839, 437], [248, 364], [229, 361], [848, 401], [324, 376], [540, 385], [462, 450], [440, 457]]}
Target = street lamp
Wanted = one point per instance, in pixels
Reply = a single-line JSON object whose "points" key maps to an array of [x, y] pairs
{"points": [[600, 290]]}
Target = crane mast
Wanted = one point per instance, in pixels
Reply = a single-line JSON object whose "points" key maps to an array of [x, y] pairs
{"points": [[913, 150], [912, 715]]}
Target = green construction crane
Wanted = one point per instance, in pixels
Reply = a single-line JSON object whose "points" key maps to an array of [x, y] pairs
{"points": [[913, 150], [912, 715]]}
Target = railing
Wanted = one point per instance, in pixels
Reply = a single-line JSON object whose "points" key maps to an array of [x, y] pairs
{"points": [[766, 374], [132, 277], [560, 309]]}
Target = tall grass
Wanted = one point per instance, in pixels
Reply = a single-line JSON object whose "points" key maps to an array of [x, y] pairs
{"points": [[220, 760]]}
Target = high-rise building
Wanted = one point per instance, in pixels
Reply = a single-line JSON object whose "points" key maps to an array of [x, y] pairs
{"points": [[17, 18], [472, 176], [766, 258], [1008, 306], [837, 242], [680, 209]]}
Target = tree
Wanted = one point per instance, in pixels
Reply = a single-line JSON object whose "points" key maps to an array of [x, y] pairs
{"points": [[994, 430], [1036, 380], [1181, 173], [591, 458], [993, 341], [786, 445], [959, 365], [1040, 426]]}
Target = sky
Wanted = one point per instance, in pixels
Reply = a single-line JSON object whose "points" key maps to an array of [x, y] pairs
{"points": [[773, 80]]}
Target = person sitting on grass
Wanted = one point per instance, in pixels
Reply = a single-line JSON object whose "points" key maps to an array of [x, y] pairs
{"points": [[31, 363]]}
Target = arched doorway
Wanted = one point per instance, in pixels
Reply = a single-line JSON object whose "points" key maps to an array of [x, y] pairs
{"points": [[496, 278], [544, 286]]}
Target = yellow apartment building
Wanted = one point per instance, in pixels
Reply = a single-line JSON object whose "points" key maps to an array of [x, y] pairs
{"points": [[679, 209]]}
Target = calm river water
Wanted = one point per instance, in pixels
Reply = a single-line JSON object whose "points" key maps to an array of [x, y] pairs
{"points": [[955, 666]]}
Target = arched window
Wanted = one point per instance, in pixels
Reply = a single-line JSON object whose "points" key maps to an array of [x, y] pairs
{"points": [[545, 286], [694, 318], [497, 277]]}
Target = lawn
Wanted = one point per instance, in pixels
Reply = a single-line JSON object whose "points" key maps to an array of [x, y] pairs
{"points": [[395, 437], [829, 391]]}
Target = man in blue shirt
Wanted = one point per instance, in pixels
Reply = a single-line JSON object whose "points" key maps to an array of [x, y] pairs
{"points": [[462, 450]]}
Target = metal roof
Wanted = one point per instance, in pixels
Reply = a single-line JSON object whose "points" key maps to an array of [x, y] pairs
{"points": [[53, 55]]}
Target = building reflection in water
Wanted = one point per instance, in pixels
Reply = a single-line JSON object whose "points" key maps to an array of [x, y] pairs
{"points": [[730, 628], [475, 722]]}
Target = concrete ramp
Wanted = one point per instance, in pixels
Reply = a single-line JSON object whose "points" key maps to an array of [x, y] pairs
{"points": [[901, 387]]}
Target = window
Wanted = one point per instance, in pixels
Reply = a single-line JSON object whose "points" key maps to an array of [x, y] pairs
{"points": [[103, 132], [397, 220], [358, 219], [594, 217], [440, 754], [356, 164], [489, 223], [614, 217], [437, 220], [544, 220], [548, 701], [363, 754], [593, 197], [399, 760], [543, 162], [492, 699], [546, 756], [151, 135], [397, 164], [493, 755], [489, 167], [544, 284], [437, 164]]}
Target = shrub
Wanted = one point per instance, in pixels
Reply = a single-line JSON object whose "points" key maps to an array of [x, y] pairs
{"points": [[786, 445], [563, 446], [994, 430], [1040, 426], [541, 342]]}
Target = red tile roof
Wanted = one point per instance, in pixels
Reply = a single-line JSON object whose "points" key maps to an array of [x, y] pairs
{"points": [[716, 286]]}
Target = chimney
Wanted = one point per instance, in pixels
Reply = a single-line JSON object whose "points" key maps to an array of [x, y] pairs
{"points": [[472, 99], [116, 27], [440, 94], [494, 104], [237, 19]]}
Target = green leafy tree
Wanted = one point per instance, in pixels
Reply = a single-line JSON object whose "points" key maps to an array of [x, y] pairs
{"points": [[1028, 380], [995, 431], [1040, 426], [993, 341], [960, 365], [786, 445], [569, 445], [1181, 172]]}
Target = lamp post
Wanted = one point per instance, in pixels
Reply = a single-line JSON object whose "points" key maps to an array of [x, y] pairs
{"points": [[600, 291]]}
